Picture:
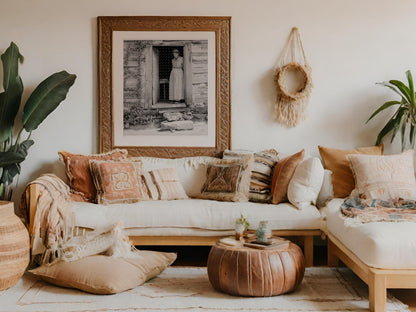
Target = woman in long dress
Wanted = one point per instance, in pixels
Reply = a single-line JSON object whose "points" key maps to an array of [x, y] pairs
{"points": [[176, 86]]}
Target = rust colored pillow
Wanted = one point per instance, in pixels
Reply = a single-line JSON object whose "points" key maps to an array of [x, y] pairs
{"points": [[336, 160], [118, 181], [77, 169], [283, 172]]}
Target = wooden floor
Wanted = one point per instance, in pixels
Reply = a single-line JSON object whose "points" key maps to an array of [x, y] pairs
{"points": [[198, 255]]}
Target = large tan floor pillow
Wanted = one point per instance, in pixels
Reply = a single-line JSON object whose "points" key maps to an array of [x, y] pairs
{"points": [[106, 275]]}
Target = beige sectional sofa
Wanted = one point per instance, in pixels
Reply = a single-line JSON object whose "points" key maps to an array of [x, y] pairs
{"points": [[193, 221]]}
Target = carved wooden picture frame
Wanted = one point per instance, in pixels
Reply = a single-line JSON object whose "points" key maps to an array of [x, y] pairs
{"points": [[164, 85]]}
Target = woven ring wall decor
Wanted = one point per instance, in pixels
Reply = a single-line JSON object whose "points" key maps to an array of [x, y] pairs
{"points": [[305, 83], [293, 79]]}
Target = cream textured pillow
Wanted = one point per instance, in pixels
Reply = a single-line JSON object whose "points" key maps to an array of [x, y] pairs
{"points": [[106, 275], [384, 177], [228, 179], [164, 184], [327, 191], [306, 183]]}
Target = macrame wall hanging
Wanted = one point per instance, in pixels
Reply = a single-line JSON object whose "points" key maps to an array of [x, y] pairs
{"points": [[293, 82]]}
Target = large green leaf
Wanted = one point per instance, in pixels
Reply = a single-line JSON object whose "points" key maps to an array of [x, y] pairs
{"points": [[412, 135], [9, 172], [45, 98], [16, 154], [403, 134], [10, 60], [398, 120], [387, 128], [13, 89], [383, 107], [403, 89], [411, 87]]}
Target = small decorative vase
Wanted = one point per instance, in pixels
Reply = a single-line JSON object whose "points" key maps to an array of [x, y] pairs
{"points": [[263, 231], [239, 231], [14, 246]]}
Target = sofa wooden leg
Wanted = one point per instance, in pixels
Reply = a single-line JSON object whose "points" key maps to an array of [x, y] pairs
{"points": [[377, 292], [333, 260], [308, 250]]}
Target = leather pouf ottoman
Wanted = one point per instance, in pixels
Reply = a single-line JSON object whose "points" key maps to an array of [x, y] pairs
{"points": [[245, 271]]}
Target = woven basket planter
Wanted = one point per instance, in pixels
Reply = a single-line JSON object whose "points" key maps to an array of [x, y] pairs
{"points": [[14, 246]]}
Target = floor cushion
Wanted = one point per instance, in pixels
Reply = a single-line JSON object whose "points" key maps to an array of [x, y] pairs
{"points": [[106, 275]]}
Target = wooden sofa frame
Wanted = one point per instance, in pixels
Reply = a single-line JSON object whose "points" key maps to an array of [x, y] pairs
{"points": [[306, 235], [378, 280]]}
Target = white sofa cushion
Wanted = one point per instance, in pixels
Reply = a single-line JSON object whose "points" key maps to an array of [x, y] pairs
{"points": [[306, 183], [195, 213], [191, 170], [385, 245]]}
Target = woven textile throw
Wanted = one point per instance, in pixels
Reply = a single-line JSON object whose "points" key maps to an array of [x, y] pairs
{"points": [[360, 210]]}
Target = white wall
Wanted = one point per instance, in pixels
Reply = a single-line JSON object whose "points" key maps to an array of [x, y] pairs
{"points": [[350, 45]]}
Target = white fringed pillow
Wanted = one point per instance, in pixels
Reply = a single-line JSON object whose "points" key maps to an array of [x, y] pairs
{"points": [[306, 183], [384, 177]]}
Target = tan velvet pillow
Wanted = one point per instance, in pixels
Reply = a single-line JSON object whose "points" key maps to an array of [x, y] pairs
{"points": [[106, 275], [336, 161], [77, 169], [384, 177], [228, 179], [118, 181], [283, 172]]}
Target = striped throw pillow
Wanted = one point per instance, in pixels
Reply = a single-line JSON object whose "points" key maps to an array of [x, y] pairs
{"points": [[164, 184], [261, 172]]}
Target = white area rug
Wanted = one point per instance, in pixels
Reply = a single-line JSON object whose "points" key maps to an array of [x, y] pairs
{"points": [[188, 289]]}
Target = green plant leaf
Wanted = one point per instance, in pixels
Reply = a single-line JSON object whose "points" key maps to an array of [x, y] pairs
{"points": [[397, 121], [16, 154], [411, 87], [412, 135], [386, 129], [10, 60], [403, 135], [403, 89], [393, 88], [13, 89], [45, 98], [9, 172], [383, 107]]}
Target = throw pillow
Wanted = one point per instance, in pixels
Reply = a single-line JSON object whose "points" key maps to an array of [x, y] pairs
{"points": [[384, 177], [118, 181], [77, 169], [106, 275], [228, 179], [261, 173], [306, 183], [327, 191], [283, 172], [164, 184], [336, 161]]}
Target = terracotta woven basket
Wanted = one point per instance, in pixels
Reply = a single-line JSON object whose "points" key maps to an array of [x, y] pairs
{"points": [[14, 246]]}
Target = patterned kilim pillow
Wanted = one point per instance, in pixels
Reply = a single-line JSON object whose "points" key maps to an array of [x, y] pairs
{"points": [[118, 181], [228, 179], [261, 173]]}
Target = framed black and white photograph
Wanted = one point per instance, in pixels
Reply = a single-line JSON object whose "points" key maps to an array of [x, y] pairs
{"points": [[164, 91]]}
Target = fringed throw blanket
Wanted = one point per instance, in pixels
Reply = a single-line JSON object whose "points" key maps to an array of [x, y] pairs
{"points": [[51, 227], [359, 210], [50, 221]]}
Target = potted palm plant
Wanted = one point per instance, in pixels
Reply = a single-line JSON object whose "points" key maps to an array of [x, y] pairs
{"points": [[404, 117], [15, 137]]}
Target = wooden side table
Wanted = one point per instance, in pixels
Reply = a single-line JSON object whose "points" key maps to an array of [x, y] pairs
{"points": [[245, 271]]}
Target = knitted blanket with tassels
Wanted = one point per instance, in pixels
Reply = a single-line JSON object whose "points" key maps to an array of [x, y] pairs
{"points": [[52, 221]]}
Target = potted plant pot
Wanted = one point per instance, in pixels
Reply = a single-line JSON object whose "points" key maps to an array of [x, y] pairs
{"points": [[14, 246]]}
